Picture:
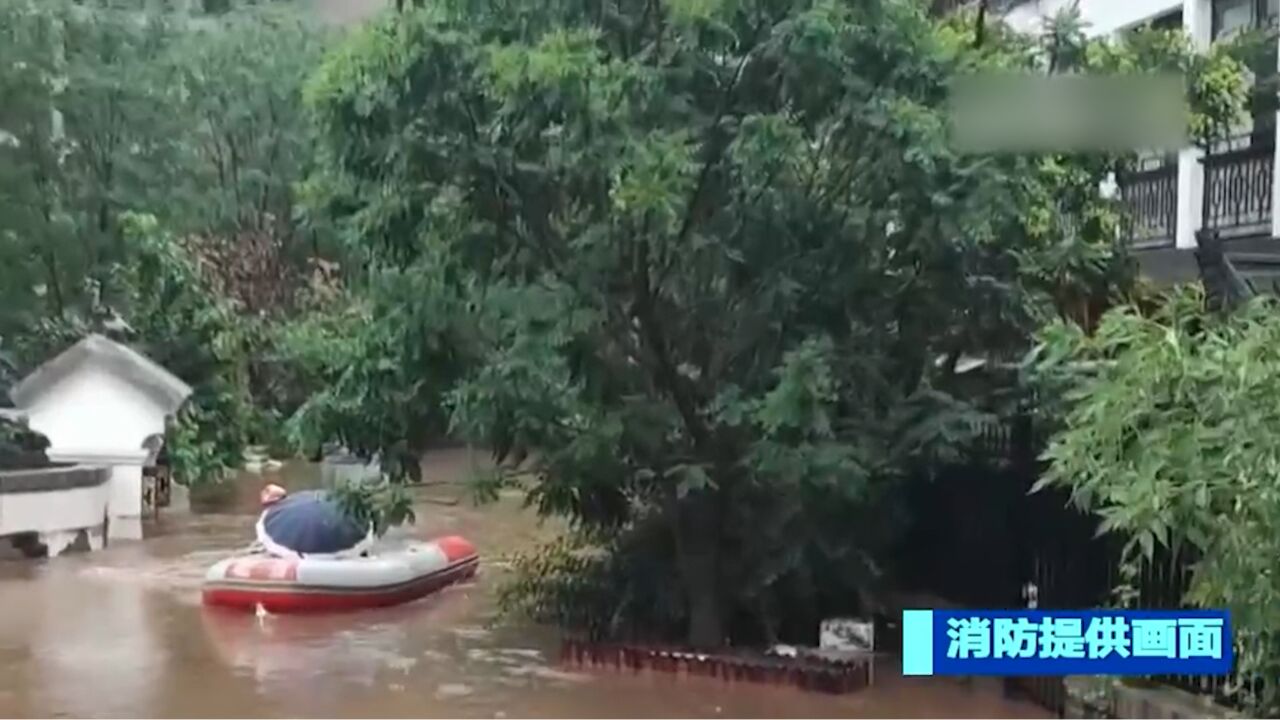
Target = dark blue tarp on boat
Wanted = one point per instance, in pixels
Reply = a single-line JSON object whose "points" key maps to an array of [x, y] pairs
{"points": [[309, 522]]}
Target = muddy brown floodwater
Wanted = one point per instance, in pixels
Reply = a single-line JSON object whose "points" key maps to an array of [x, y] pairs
{"points": [[122, 633]]}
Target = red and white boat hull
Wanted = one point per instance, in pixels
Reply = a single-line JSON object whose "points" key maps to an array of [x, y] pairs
{"points": [[311, 584]]}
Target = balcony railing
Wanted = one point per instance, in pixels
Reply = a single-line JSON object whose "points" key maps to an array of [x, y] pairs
{"points": [[1150, 197], [1237, 185]]}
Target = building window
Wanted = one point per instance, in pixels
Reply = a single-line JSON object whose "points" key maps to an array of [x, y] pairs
{"points": [[1172, 21], [1232, 16]]}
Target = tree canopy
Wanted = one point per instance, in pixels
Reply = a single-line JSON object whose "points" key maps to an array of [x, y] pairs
{"points": [[705, 275], [148, 165], [710, 264]]}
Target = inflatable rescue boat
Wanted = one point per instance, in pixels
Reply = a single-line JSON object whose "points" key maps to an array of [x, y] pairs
{"points": [[301, 583]]}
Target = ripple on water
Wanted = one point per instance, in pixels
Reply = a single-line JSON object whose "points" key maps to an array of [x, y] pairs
{"points": [[447, 691], [402, 664], [471, 633], [180, 574], [529, 653], [542, 672]]}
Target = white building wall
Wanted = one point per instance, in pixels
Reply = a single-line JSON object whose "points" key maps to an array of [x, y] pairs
{"points": [[70, 509], [1197, 22], [125, 501], [1275, 173], [94, 410], [1102, 16], [98, 406], [59, 516], [97, 418], [124, 489]]}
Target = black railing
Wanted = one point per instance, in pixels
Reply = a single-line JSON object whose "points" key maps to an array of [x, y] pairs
{"points": [[1038, 539], [1162, 584], [1150, 197], [157, 485], [1237, 185]]}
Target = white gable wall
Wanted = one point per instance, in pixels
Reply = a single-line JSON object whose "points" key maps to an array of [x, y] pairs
{"points": [[95, 417], [94, 409], [97, 403]]}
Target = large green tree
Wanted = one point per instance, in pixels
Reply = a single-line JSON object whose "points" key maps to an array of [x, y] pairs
{"points": [[115, 107], [712, 265], [118, 107], [84, 135]]}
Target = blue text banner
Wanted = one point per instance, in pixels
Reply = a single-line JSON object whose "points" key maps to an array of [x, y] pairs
{"points": [[1066, 642]]}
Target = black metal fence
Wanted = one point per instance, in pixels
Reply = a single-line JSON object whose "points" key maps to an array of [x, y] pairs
{"points": [[1161, 584], [981, 538], [1238, 180], [1149, 193]]}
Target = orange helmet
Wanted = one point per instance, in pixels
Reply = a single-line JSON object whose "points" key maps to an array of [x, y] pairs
{"points": [[272, 493]]}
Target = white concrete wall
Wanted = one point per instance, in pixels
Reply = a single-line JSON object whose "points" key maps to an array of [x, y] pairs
{"points": [[1275, 174], [70, 509], [58, 516], [1197, 23], [125, 502], [93, 409], [95, 417], [124, 489]]}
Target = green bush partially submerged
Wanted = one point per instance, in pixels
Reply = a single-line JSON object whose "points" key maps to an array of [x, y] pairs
{"points": [[1170, 426], [379, 505], [21, 447]]}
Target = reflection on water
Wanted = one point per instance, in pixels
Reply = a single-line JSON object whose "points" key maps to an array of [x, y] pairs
{"points": [[82, 659], [122, 633]]}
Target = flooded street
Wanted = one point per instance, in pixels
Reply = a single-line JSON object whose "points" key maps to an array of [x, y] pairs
{"points": [[122, 633]]}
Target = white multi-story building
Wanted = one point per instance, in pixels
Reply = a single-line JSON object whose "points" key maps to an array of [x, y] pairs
{"points": [[1223, 195]]}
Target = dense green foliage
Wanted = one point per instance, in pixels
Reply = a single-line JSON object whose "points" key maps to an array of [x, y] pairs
{"points": [[21, 447], [378, 505], [1165, 437], [148, 161], [179, 322], [387, 366], [710, 265], [700, 273]]}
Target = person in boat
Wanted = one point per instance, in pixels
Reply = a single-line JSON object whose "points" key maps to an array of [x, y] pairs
{"points": [[268, 496], [272, 494]]}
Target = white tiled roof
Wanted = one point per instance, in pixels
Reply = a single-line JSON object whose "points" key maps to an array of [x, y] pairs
{"points": [[125, 362]]}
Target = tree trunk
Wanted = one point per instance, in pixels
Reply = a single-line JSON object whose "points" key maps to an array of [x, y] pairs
{"points": [[980, 30], [56, 300], [697, 547], [706, 626]]}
